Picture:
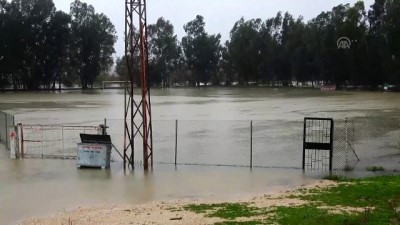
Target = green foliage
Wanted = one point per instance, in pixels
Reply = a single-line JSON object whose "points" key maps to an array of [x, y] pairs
{"points": [[93, 38], [121, 69], [375, 168], [370, 201], [334, 177], [367, 192], [224, 210], [102, 77], [374, 192], [348, 168], [41, 46], [306, 215], [34, 44], [202, 51], [283, 49], [239, 223], [164, 51], [245, 49], [233, 211]]}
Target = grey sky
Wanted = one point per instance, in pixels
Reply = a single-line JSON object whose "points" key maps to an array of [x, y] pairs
{"points": [[219, 15]]}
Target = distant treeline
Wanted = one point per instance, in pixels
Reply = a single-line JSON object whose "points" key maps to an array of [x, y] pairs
{"points": [[41, 47], [349, 45]]}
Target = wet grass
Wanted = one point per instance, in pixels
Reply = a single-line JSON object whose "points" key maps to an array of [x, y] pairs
{"points": [[306, 215], [334, 177], [371, 201], [225, 210], [240, 223]]}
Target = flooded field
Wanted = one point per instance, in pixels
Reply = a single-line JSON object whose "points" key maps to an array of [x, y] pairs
{"points": [[41, 187], [199, 104]]}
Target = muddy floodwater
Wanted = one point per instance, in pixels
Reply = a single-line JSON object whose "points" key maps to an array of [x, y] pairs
{"points": [[40, 187]]}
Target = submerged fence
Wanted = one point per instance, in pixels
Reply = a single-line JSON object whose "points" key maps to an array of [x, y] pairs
{"points": [[52, 141], [6, 123], [275, 144]]}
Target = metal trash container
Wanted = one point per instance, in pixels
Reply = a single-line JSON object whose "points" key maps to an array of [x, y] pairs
{"points": [[94, 151]]}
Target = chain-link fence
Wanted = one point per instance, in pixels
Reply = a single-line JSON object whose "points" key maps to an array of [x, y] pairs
{"points": [[375, 141], [277, 144], [6, 123]]}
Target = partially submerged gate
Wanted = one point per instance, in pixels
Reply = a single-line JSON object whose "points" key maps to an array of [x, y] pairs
{"points": [[318, 144]]}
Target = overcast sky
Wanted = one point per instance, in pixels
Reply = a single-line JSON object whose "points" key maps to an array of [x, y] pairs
{"points": [[219, 15]]}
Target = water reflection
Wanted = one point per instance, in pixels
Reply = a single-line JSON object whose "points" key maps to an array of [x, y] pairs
{"points": [[94, 174]]}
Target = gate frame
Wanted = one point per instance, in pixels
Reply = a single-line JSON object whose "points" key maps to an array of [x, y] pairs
{"points": [[318, 146]]}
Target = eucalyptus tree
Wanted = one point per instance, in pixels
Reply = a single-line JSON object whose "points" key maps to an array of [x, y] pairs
{"points": [[227, 71], [164, 51], [7, 42], [35, 38], [245, 49], [202, 51], [56, 63], [392, 31], [92, 45]]}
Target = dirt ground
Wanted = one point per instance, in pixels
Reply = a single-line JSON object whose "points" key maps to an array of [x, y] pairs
{"points": [[166, 213]]}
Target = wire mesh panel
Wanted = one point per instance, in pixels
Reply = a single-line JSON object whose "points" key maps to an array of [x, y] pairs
{"points": [[53, 140], [345, 155], [214, 143], [318, 144], [6, 123], [164, 140], [375, 140], [3, 128], [115, 128], [277, 144]]}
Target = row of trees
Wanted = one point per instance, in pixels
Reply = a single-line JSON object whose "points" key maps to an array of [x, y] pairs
{"points": [[196, 58], [283, 49], [41, 47]]}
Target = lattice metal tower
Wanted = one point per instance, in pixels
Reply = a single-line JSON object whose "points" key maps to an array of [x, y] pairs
{"points": [[137, 109]]}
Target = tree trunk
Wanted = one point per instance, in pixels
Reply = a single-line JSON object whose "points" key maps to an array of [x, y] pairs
{"points": [[14, 83], [59, 83]]}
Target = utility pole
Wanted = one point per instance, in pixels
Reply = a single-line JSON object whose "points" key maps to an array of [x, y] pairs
{"points": [[137, 107]]}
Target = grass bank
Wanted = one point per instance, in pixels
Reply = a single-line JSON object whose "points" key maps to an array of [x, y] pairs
{"points": [[348, 202], [340, 202]]}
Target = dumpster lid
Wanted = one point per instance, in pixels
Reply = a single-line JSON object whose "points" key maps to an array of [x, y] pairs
{"points": [[95, 138]]}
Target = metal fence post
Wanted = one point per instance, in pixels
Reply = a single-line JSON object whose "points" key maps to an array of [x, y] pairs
{"points": [[21, 140], [6, 133], [251, 144], [331, 151], [347, 140], [62, 140], [13, 144], [105, 127], [41, 144], [176, 141], [303, 166]]}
